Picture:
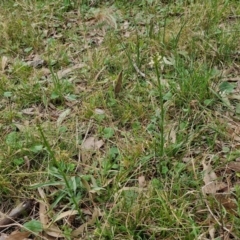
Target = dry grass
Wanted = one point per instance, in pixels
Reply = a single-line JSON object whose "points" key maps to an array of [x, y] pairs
{"points": [[156, 158]]}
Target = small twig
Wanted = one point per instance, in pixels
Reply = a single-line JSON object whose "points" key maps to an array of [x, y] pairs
{"points": [[220, 224], [138, 70], [16, 212], [84, 139], [89, 125], [98, 74]]}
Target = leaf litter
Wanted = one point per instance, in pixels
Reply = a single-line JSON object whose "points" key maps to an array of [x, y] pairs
{"points": [[212, 178]]}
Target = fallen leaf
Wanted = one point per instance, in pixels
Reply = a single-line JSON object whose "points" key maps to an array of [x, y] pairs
{"points": [[62, 116], [36, 62], [83, 227], [99, 144], [4, 62], [45, 72], [65, 214], [212, 186], [18, 236], [54, 231], [43, 214], [92, 144], [211, 231], [3, 236], [235, 166], [227, 202], [209, 174], [141, 182], [65, 72], [28, 111], [173, 135], [118, 84], [15, 213], [20, 127]]}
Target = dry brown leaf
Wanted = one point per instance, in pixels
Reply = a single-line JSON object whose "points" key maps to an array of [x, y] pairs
{"points": [[43, 214], [20, 127], [3, 236], [211, 231], [86, 184], [209, 174], [173, 136], [54, 231], [28, 111], [65, 214], [212, 186], [142, 182], [235, 166], [4, 62], [92, 144], [118, 86], [86, 211], [45, 72], [16, 212], [18, 236], [89, 143], [65, 72], [99, 144], [36, 62], [83, 227], [227, 202], [62, 116]]}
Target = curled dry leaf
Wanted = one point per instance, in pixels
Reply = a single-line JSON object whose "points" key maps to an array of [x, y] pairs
{"points": [[118, 85]]}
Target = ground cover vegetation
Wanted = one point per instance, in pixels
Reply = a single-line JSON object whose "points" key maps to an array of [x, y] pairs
{"points": [[119, 119]]}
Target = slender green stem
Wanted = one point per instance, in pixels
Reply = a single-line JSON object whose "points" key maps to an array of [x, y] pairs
{"points": [[160, 91], [55, 162]]}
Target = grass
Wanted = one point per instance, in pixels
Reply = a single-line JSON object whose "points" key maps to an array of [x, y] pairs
{"points": [[129, 159]]}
